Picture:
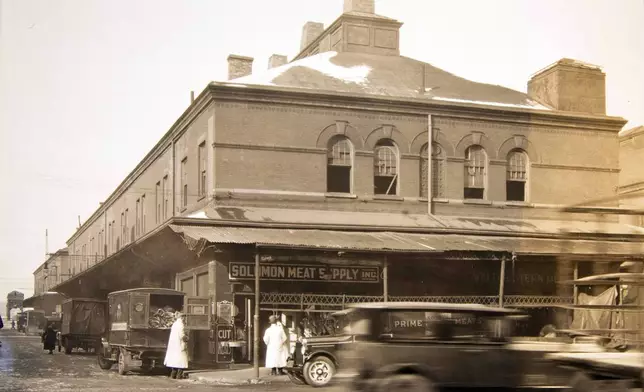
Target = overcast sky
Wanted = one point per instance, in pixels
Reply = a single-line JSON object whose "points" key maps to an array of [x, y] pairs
{"points": [[87, 87]]}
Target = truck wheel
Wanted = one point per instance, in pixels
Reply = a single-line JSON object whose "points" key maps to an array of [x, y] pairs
{"points": [[102, 362], [408, 383], [122, 368], [318, 371]]}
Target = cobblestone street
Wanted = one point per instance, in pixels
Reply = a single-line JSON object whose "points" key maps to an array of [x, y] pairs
{"points": [[25, 367]]}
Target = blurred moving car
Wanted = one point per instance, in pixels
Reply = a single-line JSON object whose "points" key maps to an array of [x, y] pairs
{"points": [[433, 346]]}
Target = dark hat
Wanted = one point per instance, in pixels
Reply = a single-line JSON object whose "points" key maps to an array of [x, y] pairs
{"points": [[272, 319]]}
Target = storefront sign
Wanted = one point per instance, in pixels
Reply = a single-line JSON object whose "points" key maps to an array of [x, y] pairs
{"points": [[318, 273], [225, 333]]}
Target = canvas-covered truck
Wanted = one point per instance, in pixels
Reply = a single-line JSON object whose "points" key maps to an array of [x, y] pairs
{"points": [[84, 322], [138, 326]]}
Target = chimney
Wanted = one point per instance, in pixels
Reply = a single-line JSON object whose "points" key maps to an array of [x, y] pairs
{"points": [[310, 32], [276, 60], [570, 85], [239, 66], [365, 6]]}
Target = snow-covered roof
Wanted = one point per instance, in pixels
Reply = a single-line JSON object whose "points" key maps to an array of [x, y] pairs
{"points": [[394, 76], [632, 131]]}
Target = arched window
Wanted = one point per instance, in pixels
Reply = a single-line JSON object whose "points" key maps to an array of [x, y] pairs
{"points": [[339, 164], [475, 172], [438, 171], [517, 176], [385, 170]]}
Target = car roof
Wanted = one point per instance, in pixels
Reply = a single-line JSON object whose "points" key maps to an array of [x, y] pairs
{"points": [[436, 306]]}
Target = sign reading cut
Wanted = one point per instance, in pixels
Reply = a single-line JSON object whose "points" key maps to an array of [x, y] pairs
{"points": [[318, 273]]}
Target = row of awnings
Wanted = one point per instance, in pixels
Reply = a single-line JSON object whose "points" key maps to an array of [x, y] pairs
{"points": [[386, 241]]}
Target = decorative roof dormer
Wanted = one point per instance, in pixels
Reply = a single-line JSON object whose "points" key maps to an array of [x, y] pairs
{"points": [[359, 29]]}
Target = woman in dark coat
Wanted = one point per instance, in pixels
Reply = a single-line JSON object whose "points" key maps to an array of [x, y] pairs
{"points": [[49, 339]]}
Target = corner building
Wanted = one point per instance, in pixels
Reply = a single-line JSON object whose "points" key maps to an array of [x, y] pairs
{"points": [[352, 174]]}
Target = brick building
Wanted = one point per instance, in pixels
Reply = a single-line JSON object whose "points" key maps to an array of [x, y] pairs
{"points": [[48, 275], [353, 173]]}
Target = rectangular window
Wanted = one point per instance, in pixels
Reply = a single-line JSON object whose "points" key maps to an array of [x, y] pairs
{"points": [[184, 182], [123, 230], [142, 214], [202, 169], [137, 222], [126, 229], [166, 201], [114, 244], [157, 202]]}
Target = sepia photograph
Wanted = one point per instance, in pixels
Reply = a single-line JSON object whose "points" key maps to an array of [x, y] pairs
{"points": [[353, 195]]}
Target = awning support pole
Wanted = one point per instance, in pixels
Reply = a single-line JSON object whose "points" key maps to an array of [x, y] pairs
{"points": [[385, 280], [502, 282], [256, 317]]}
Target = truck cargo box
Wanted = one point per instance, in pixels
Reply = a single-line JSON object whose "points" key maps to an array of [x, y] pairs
{"points": [[84, 317]]}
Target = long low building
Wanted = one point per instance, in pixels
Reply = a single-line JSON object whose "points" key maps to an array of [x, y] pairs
{"points": [[353, 173]]}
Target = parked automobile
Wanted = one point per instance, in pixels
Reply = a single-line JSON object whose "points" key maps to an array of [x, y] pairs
{"points": [[433, 346], [319, 359]]}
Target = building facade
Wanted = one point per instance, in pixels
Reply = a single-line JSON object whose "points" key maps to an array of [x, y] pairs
{"points": [[631, 179], [353, 173]]}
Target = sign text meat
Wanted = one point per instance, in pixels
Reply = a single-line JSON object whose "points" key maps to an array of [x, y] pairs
{"points": [[320, 273]]}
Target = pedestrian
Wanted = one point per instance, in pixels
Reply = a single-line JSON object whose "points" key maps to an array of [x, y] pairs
{"points": [[49, 339], [1, 326], [13, 324], [176, 356], [274, 337]]}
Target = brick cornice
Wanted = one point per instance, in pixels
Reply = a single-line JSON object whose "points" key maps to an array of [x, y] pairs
{"points": [[296, 97]]}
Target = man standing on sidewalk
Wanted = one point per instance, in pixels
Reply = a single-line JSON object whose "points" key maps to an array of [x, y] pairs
{"points": [[274, 337]]}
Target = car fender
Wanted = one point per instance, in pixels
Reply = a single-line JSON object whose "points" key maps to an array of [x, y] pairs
{"points": [[323, 353]]}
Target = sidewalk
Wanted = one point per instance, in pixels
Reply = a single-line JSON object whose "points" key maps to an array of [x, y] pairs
{"points": [[245, 376]]}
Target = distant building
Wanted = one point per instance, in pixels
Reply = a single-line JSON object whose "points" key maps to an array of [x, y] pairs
{"points": [[14, 300], [353, 173], [51, 273]]}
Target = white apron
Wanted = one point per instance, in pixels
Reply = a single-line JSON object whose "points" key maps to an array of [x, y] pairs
{"points": [[274, 337], [176, 356]]}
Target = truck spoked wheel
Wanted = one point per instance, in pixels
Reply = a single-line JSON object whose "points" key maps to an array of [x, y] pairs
{"points": [[408, 383], [102, 362], [122, 368], [319, 371]]}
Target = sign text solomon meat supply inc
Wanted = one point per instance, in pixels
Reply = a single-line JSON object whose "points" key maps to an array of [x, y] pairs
{"points": [[319, 273]]}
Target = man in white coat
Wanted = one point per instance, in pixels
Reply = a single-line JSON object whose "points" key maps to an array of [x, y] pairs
{"points": [[176, 356], [274, 337]]}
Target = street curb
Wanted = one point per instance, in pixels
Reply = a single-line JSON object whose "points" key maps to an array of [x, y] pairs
{"points": [[234, 382]]}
